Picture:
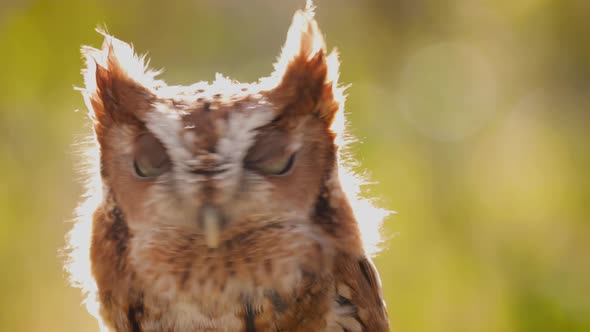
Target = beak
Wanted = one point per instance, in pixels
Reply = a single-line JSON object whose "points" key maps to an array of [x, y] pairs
{"points": [[211, 222]]}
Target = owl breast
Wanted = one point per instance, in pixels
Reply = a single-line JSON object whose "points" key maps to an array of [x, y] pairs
{"points": [[256, 277]]}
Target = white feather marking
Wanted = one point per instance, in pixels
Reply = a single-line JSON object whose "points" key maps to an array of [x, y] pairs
{"points": [[240, 132], [166, 125], [239, 137]]}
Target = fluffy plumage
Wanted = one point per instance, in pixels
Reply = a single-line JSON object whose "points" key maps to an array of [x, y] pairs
{"points": [[219, 207]]}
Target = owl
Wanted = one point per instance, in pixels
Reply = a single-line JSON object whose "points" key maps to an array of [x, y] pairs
{"points": [[219, 206]]}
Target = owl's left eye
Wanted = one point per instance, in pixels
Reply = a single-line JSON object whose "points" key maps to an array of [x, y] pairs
{"points": [[273, 154], [280, 165], [150, 157]]}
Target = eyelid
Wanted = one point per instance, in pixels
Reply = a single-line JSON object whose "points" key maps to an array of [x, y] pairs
{"points": [[289, 166], [271, 154], [150, 153], [266, 167]]}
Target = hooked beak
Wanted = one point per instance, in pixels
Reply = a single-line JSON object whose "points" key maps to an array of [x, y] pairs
{"points": [[211, 224]]}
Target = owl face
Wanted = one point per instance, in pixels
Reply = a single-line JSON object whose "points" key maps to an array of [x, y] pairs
{"points": [[216, 159], [210, 165]]}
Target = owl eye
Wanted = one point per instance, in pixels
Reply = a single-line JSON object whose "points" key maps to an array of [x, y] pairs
{"points": [[275, 166], [150, 157]]}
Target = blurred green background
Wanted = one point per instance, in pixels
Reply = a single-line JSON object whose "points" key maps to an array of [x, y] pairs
{"points": [[472, 117]]}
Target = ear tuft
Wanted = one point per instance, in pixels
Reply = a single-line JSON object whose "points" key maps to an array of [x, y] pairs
{"points": [[305, 76], [118, 82], [304, 37]]}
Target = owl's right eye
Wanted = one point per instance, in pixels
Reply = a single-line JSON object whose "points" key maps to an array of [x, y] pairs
{"points": [[150, 157]]}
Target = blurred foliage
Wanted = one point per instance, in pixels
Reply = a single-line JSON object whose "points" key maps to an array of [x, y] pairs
{"points": [[473, 118]]}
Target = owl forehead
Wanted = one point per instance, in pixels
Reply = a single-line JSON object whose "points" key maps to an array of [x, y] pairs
{"points": [[201, 129]]}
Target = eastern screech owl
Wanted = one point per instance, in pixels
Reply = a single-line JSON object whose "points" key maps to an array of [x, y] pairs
{"points": [[219, 206]]}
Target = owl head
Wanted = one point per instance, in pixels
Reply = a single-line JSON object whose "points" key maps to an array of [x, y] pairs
{"points": [[216, 158], [213, 162]]}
